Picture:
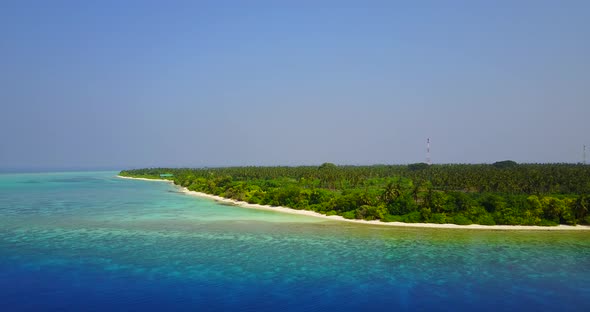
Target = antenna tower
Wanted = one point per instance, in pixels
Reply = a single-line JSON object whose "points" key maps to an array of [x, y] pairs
{"points": [[428, 152], [584, 155]]}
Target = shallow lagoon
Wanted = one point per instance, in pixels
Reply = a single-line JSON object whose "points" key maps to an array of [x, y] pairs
{"points": [[91, 241]]}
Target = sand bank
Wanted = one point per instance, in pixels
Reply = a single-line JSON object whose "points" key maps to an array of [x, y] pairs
{"points": [[146, 179], [242, 204]]}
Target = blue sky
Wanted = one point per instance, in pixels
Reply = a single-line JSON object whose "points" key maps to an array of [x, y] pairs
{"points": [[119, 84]]}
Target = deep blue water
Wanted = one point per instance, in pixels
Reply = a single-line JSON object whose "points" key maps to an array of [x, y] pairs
{"points": [[90, 241]]}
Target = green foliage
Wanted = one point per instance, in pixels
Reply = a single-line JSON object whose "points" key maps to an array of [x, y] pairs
{"points": [[581, 207], [439, 218], [348, 215], [418, 166], [493, 202], [327, 166], [391, 218], [412, 217], [533, 194], [485, 219], [505, 164], [460, 219], [548, 223], [425, 214], [552, 208]]}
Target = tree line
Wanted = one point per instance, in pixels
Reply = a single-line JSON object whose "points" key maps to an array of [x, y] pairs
{"points": [[500, 193]]}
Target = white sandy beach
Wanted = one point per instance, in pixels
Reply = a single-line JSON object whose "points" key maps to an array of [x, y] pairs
{"points": [[560, 227], [145, 179]]}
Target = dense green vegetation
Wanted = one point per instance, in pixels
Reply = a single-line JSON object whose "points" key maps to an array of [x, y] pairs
{"points": [[502, 193]]}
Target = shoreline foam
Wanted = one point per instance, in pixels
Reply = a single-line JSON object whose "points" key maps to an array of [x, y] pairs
{"points": [[309, 213]]}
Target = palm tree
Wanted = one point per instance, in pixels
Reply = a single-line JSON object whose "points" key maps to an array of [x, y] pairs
{"points": [[580, 208]]}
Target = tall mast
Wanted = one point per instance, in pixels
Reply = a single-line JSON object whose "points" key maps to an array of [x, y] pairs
{"points": [[428, 161]]}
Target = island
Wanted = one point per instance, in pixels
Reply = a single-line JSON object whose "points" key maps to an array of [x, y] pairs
{"points": [[503, 193]]}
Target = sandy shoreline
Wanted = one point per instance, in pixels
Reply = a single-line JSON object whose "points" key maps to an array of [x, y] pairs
{"points": [[242, 204], [145, 179]]}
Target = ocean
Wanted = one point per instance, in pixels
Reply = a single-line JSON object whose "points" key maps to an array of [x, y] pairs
{"points": [[89, 241]]}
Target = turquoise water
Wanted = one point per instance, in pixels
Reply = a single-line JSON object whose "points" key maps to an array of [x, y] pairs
{"points": [[91, 241]]}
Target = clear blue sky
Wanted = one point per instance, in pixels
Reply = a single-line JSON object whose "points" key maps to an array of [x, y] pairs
{"points": [[118, 84]]}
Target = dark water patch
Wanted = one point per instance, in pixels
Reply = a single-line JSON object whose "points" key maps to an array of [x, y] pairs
{"points": [[175, 192], [75, 180], [30, 182]]}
